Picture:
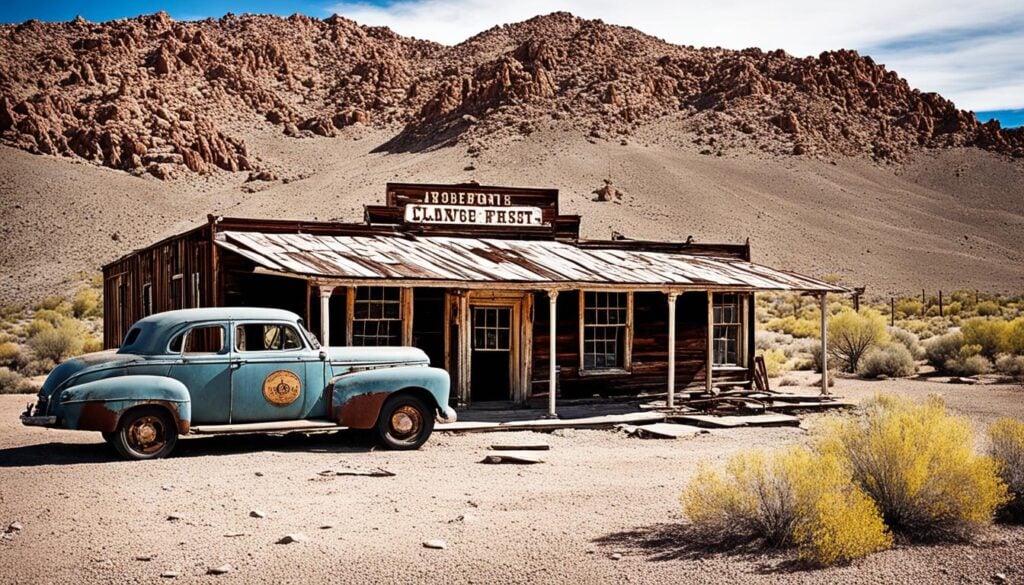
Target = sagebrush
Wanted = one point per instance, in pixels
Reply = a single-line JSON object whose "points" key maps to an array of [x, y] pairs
{"points": [[918, 464], [1006, 446]]}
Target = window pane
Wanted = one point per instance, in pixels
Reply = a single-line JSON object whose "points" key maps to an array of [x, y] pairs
{"points": [[200, 340]]}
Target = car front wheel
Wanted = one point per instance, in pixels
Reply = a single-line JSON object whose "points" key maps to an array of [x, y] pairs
{"points": [[145, 433], [405, 423]]}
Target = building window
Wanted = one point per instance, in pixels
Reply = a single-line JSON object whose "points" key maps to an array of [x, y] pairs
{"points": [[147, 299], [377, 316], [728, 323], [195, 290], [177, 296], [492, 329], [605, 322]]}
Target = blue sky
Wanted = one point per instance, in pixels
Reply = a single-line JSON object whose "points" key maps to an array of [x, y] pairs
{"points": [[972, 53]]}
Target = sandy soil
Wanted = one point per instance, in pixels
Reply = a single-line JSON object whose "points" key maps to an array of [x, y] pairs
{"points": [[88, 518], [949, 219]]}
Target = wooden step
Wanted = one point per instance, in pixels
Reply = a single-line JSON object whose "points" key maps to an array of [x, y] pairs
{"points": [[283, 426]]}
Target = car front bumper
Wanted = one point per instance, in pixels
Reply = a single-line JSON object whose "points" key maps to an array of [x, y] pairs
{"points": [[39, 421], [446, 414]]}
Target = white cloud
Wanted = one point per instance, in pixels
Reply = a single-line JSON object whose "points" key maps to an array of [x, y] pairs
{"points": [[978, 70]]}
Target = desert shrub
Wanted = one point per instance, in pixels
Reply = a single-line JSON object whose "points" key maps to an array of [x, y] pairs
{"points": [[909, 340], [1011, 366], [917, 463], [50, 303], [892, 360], [11, 355], [990, 334], [1006, 446], [953, 308], [987, 308], [797, 327], [908, 308], [38, 367], [770, 340], [788, 498], [851, 334], [1013, 337], [968, 365], [774, 362], [91, 345], [87, 303], [941, 349], [58, 343], [787, 381], [14, 383]]}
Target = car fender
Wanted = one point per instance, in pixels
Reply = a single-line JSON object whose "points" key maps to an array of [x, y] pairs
{"points": [[99, 405], [357, 397]]}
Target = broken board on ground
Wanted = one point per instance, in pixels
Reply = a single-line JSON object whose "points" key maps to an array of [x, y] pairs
{"points": [[521, 457], [759, 420], [663, 430], [547, 424]]}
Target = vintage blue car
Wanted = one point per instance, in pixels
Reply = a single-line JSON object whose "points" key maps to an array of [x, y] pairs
{"points": [[237, 370]]}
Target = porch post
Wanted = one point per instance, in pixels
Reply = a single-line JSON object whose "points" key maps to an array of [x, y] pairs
{"points": [[672, 296], [552, 351], [824, 344], [710, 358], [325, 314]]}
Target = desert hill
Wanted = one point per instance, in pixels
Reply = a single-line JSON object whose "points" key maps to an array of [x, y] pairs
{"points": [[829, 164], [151, 93]]}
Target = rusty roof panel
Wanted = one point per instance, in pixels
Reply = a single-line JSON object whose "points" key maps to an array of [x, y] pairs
{"points": [[473, 260]]}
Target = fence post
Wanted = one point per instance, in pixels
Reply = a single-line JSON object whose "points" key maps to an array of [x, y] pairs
{"points": [[892, 311]]}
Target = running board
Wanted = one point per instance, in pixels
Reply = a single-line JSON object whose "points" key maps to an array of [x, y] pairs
{"points": [[284, 426]]}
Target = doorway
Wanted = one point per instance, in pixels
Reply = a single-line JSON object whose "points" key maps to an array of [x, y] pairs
{"points": [[491, 358]]}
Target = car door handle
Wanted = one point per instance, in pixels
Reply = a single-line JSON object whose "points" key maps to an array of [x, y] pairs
{"points": [[235, 364]]}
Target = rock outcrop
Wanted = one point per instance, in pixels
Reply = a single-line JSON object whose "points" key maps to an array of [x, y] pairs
{"points": [[154, 95]]}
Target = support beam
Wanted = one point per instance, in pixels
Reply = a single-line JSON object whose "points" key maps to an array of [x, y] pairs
{"points": [[710, 361], [552, 350], [325, 314], [672, 296], [824, 344]]}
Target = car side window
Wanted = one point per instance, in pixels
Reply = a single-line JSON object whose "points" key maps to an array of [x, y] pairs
{"points": [[266, 337], [205, 339]]}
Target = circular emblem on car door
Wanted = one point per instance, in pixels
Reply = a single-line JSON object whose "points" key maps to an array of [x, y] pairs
{"points": [[281, 387]]}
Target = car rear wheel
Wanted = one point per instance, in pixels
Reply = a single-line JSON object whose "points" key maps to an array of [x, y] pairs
{"points": [[145, 433], [405, 423]]}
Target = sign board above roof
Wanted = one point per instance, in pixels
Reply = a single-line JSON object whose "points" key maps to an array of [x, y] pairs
{"points": [[472, 209]]}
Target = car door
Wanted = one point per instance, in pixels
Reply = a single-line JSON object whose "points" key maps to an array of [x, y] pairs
{"points": [[202, 365], [268, 377]]}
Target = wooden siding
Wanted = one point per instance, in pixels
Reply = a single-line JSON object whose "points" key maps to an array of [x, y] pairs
{"points": [[123, 280]]}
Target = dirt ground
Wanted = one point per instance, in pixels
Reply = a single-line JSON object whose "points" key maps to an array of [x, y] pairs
{"points": [[602, 508]]}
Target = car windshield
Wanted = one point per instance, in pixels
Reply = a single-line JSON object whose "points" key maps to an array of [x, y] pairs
{"points": [[313, 341]]}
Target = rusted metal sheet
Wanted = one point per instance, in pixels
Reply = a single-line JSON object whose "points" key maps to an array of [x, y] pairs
{"points": [[481, 261], [361, 411]]}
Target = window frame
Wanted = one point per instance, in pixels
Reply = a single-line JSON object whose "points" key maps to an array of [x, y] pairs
{"points": [[179, 302], [739, 325], [404, 314], [147, 299], [627, 342], [303, 342], [224, 350]]}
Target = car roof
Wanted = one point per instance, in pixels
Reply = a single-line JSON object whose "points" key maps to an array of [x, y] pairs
{"points": [[170, 318]]}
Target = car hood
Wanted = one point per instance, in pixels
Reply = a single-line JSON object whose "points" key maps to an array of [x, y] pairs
{"points": [[91, 361], [376, 356]]}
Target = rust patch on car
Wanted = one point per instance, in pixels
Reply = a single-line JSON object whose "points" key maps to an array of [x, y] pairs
{"points": [[97, 417], [360, 412]]}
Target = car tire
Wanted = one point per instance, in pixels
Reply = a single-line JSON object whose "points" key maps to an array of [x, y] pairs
{"points": [[145, 433], [405, 423], [109, 437]]}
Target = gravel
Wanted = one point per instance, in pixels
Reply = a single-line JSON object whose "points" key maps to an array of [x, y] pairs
{"points": [[603, 508]]}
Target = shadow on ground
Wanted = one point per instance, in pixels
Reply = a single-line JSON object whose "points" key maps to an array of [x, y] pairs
{"points": [[57, 453], [676, 541]]}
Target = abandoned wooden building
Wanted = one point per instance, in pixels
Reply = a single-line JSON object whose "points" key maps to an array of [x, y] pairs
{"points": [[491, 282]]}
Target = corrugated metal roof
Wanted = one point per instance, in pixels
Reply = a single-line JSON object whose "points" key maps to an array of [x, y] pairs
{"points": [[472, 261]]}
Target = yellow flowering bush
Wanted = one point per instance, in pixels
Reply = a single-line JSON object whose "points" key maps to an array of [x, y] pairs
{"points": [[918, 465], [791, 498], [1006, 446]]}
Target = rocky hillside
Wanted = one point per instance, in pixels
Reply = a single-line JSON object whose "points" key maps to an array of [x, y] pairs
{"points": [[154, 95]]}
